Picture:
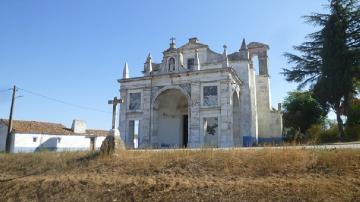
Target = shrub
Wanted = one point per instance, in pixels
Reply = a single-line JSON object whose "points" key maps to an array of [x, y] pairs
{"points": [[319, 134], [352, 127], [330, 135], [315, 133], [294, 136], [352, 132]]}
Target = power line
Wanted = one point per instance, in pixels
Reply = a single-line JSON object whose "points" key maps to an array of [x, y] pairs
{"points": [[5, 90], [64, 102]]}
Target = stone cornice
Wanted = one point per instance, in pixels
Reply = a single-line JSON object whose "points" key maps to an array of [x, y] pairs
{"points": [[186, 73]]}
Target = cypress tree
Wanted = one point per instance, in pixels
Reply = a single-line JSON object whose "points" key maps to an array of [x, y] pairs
{"points": [[330, 61]]}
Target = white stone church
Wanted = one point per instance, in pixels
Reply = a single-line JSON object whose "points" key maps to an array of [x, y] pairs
{"points": [[196, 97]]}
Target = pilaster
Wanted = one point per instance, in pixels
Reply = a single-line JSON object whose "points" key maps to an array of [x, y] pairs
{"points": [[145, 121], [194, 131], [226, 139]]}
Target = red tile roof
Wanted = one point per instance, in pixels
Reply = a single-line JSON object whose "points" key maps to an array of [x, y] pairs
{"points": [[37, 127]]}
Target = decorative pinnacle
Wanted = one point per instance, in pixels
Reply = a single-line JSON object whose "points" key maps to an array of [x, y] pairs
{"points": [[148, 64], [225, 47], [243, 45], [149, 57], [226, 59], [126, 71]]}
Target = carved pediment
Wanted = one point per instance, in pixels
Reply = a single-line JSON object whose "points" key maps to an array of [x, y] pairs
{"points": [[190, 46], [193, 44]]}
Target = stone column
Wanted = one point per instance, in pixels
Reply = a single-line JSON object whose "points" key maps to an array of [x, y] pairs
{"points": [[245, 111], [253, 108], [194, 132], [225, 123], [145, 121], [123, 126]]}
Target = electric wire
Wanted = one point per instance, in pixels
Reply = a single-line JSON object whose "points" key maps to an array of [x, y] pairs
{"points": [[5, 90], [63, 102]]}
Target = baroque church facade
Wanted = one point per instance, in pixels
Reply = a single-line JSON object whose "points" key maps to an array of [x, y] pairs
{"points": [[196, 97]]}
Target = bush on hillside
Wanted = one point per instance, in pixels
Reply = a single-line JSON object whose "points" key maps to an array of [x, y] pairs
{"points": [[352, 132], [352, 127], [320, 134]]}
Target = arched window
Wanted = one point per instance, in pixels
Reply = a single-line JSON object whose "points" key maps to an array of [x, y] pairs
{"points": [[171, 64]]}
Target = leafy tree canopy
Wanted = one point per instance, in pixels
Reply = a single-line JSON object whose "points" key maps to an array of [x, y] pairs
{"points": [[329, 62], [302, 110], [354, 113]]}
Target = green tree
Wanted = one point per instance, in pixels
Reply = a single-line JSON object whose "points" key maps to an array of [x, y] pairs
{"points": [[352, 127], [354, 113], [301, 111], [330, 61]]}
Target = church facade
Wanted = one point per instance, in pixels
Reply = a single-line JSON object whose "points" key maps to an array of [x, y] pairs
{"points": [[196, 97]]}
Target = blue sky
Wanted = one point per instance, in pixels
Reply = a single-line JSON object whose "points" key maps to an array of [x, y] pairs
{"points": [[74, 51]]}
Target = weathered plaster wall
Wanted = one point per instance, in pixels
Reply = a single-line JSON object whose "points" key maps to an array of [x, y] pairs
{"points": [[263, 92], [254, 108], [226, 138], [195, 138], [191, 84], [270, 121], [248, 110], [275, 125], [25, 142], [145, 122], [238, 139]]}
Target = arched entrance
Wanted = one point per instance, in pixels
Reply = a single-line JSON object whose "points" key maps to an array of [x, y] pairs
{"points": [[236, 120], [170, 119]]}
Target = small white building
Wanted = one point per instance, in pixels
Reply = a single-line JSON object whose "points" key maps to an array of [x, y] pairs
{"points": [[33, 136]]}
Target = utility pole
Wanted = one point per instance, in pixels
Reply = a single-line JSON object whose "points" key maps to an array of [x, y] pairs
{"points": [[10, 124]]}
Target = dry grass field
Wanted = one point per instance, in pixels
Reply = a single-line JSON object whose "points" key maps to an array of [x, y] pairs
{"points": [[183, 175]]}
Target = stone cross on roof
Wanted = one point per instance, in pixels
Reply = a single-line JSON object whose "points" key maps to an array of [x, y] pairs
{"points": [[172, 44], [172, 39]]}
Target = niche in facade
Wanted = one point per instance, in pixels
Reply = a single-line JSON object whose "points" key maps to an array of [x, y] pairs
{"points": [[135, 101], [210, 96], [211, 131]]}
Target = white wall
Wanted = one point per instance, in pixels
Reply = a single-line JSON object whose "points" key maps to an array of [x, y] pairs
{"points": [[270, 121], [248, 110], [98, 142], [25, 142]]}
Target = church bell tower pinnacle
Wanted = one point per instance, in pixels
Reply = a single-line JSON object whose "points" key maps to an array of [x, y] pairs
{"points": [[148, 65], [225, 58], [172, 43], [126, 71], [244, 51]]}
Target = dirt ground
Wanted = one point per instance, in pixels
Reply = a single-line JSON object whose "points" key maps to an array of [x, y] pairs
{"points": [[183, 175]]}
